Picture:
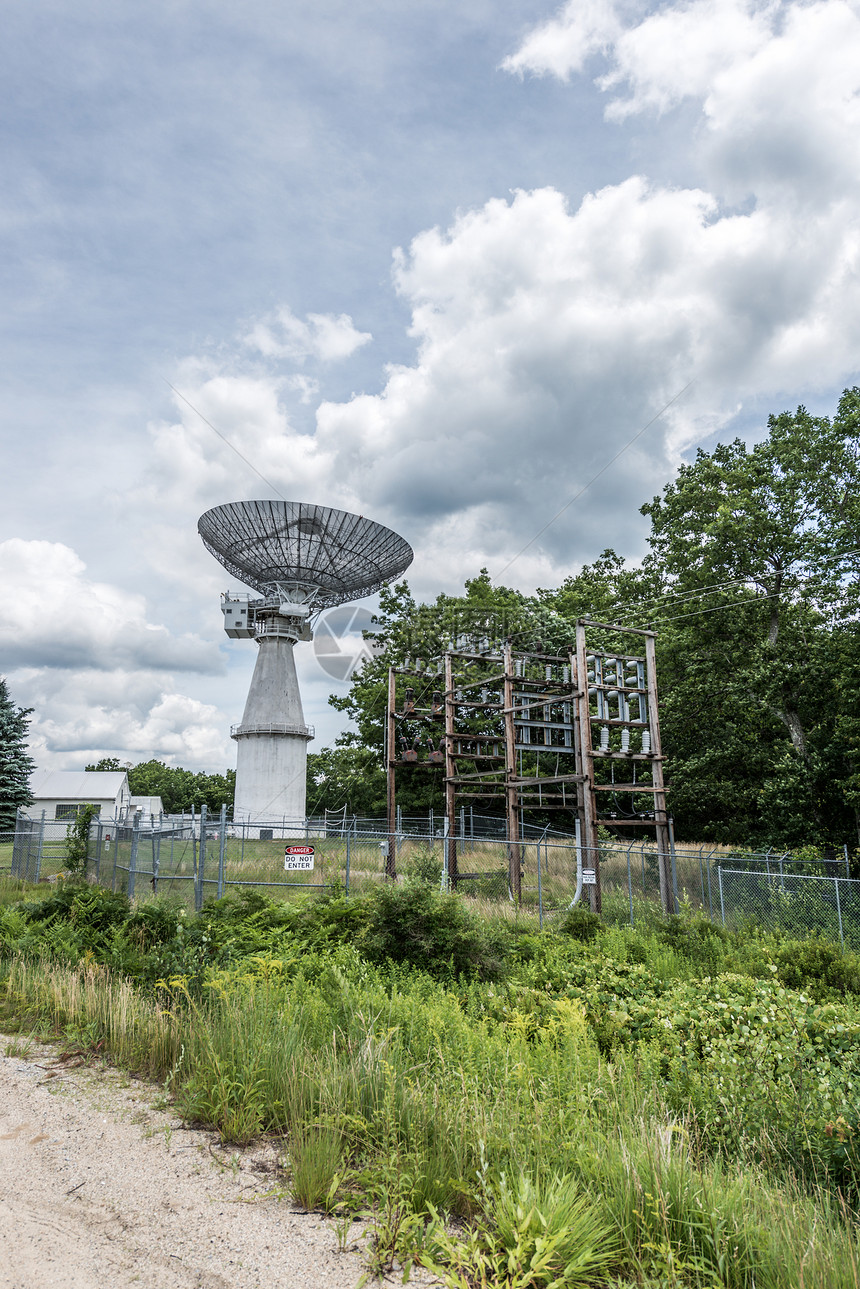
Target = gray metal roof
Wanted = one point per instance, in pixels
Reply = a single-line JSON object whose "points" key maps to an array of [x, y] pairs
{"points": [[77, 785], [267, 542]]}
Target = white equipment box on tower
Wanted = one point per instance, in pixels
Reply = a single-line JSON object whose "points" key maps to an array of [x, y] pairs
{"points": [[238, 624]]}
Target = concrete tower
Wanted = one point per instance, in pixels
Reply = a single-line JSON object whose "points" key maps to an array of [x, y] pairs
{"points": [[302, 559], [271, 760]]}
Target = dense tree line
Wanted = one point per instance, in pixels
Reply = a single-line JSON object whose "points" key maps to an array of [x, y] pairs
{"points": [[751, 581], [179, 789]]}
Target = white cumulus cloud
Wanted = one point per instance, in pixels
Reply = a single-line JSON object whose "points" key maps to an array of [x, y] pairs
{"points": [[323, 336], [82, 715], [55, 616]]}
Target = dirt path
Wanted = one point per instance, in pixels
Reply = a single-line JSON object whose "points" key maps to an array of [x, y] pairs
{"points": [[99, 1190]]}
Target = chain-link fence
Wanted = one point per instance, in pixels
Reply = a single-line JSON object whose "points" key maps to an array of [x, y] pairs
{"points": [[39, 848], [7, 844], [469, 825], [797, 903], [195, 859], [209, 859]]}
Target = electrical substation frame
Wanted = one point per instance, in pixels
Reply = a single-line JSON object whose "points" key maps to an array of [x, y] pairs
{"points": [[618, 698], [516, 727]]}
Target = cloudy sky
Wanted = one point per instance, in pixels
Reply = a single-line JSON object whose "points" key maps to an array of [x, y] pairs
{"points": [[433, 261]]}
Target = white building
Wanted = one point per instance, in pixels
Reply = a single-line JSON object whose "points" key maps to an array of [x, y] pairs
{"points": [[62, 793], [150, 809]]}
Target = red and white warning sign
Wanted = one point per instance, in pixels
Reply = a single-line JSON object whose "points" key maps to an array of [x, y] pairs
{"points": [[298, 857]]}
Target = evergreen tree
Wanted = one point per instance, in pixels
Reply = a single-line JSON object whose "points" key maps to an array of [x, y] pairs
{"points": [[15, 764]]}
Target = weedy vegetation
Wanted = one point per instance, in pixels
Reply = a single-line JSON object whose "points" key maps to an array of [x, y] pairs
{"points": [[675, 1105]]}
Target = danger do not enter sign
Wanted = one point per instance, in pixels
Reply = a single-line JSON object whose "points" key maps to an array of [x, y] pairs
{"points": [[301, 857]]}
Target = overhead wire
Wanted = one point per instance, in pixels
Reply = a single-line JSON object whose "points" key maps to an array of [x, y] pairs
{"points": [[710, 588], [686, 596], [224, 439]]}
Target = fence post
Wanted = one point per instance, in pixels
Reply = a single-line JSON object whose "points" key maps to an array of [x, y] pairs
{"points": [[710, 893], [540, 890], [446, 869], [630, 881], [41, 847], [132, 863], [193, 855], [847, 865], [671, 823], [24, 849], [201, 860], [347, 863], [722, 905], [24, 860], [15, 869], [577, 846], [644, 891], [100, 829], [115, 844], [222, 842], [839, 913], [156, 859]]}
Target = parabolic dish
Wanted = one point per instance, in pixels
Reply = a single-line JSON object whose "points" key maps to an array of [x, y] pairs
{"points": [[264, 543]]}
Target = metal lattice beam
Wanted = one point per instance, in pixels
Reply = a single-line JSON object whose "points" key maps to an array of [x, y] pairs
{"points": [[266, 543]]}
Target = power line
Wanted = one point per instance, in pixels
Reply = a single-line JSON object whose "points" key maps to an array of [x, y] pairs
{"points": [[224, 439], [697, 613], [710, 588]]}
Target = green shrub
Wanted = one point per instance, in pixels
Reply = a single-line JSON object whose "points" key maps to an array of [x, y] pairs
{"points": [[424, 865], [535, 1235], [153, 922], [92, 909], [430, 929], [698, 938], [581, 924], [819, 966]]}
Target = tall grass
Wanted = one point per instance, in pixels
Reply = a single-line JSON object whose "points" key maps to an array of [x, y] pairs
{"points": [[399, 1090]]}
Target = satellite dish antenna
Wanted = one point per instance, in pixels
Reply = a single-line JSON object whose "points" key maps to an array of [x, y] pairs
{"points": [[301, 559]]}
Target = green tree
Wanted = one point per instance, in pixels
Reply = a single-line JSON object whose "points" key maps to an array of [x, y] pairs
{"points": [[16, 765], [760, 548], [179, 789], [346, 777]]}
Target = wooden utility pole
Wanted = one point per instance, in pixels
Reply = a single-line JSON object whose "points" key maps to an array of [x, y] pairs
{"points": [[511, 786], [664, 857], [390, 752]]}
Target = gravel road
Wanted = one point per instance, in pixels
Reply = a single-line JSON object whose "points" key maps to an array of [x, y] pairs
{"points": [[99, 1189]]}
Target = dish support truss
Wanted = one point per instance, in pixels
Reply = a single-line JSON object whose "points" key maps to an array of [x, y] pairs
{"points": [[534, 731]]}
